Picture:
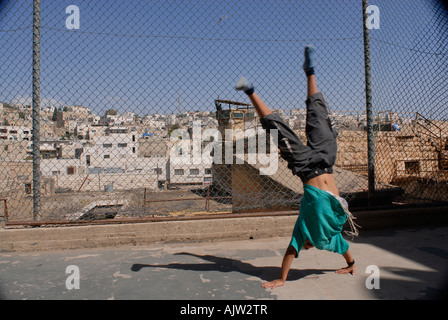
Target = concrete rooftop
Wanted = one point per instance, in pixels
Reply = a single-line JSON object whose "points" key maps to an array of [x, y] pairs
{"points": [[413, 264]]}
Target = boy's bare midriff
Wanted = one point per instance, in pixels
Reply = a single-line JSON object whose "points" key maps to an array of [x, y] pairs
{"points": [[324, 182]]}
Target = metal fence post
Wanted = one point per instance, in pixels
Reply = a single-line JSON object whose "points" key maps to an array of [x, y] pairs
{"points": [[36, 108], [369, 111]]}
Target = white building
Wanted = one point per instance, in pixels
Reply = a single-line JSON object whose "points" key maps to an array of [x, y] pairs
{"points": [[114, 120], [78, 110], [152, 123], [93, 119], [48, 109], [95, 132], [15, 133], [70, 126], [82, 131], [113, 159], [24, 107], [118, 149], [61, 167], [128, 117], [180, 173], [73, 174]]}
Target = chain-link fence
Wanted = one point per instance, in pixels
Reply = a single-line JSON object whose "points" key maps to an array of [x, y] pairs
{"points": [[409, 76], [136, 115]]}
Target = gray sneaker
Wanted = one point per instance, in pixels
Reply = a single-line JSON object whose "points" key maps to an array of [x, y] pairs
{"points": [[244, 85]]}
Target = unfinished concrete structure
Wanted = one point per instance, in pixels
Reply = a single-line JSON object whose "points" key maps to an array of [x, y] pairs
{"points": [[416, 153]]}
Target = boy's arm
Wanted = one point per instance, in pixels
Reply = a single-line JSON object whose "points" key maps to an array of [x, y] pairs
{"points": [[351, 264], [286, 265]]}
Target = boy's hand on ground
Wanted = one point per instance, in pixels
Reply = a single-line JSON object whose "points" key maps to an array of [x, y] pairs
{"points": [[273, 284], [351, 270]]}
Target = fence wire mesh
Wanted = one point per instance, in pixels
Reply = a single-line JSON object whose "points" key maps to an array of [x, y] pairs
{"points": [[409, 76], [131, 92]]}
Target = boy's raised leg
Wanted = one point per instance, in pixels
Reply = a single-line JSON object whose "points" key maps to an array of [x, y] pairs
{"points": [[248, 88]]}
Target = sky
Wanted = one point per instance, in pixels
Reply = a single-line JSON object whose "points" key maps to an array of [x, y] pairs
{"points": [[140, 56]]}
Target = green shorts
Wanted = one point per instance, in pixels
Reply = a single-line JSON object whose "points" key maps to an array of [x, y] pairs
{"points": [[321, 220]]}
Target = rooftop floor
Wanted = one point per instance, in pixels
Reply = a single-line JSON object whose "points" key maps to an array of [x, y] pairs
{"points": [[412, 262]]}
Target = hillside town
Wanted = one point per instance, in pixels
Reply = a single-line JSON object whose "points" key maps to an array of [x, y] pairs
{"points": [[74, 140]]}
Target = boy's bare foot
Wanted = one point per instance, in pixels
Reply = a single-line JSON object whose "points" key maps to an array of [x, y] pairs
{"points": [[273, 284]]}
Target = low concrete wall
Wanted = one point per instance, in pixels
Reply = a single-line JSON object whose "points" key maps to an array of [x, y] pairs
{"points": [[133, 234], [94, 236]]}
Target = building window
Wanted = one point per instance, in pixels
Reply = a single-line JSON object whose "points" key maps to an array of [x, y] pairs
{"points": [[412, 167], [107, 156], [178, 172], [208, 171], [70, 170], [122, 145], [238, 115], [194, 172], [107, 145], [158, 171]]}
